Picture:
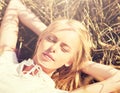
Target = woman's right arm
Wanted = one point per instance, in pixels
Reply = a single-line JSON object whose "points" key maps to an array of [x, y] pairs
{"points": [[9, 28], [28, 18]]}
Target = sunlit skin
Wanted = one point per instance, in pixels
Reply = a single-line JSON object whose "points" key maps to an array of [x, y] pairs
{"points": [[56, 49]]}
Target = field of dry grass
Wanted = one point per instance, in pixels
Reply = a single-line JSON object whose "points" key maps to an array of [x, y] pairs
{"points": [[102, 17]]}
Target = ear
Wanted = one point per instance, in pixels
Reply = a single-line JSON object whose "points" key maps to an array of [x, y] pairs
{"points": [[68, 64]]}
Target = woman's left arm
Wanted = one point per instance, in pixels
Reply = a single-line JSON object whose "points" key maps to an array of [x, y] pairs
{"points": [[109, 85], [99, 71]]}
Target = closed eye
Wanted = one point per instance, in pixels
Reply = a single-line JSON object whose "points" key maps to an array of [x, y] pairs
{"points": [[65, 48], [51, 38]]}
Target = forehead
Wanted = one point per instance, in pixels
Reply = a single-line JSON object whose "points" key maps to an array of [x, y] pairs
{"points": [[71, 38], [66, 35]]}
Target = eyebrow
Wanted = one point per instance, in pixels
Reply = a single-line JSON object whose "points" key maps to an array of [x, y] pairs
{"points": [[65, 44], [51, 34]]}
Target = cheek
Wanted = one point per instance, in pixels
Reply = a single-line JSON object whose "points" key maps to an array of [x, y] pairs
{"points": [[40, 48], [63, 58], [42, 45]]}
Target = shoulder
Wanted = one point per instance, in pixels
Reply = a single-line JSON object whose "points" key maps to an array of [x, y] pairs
{"points": [[8, 57]]}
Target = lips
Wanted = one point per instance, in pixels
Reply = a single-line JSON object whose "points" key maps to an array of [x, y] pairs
{"points": [[47, 56]]}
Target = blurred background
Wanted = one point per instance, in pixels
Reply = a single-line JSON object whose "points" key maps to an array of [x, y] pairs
{"points": [[102, 18]]}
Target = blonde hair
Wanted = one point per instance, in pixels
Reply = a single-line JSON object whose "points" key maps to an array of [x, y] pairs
{"points": [[69, 78]]}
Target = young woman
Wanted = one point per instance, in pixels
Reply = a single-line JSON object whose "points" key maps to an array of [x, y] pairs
{"points": [[62, 53]]}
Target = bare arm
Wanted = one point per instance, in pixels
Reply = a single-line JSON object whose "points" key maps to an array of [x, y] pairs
{"points": [[30, 19], [9, 26], [109, 85], [9, 29], [99, 71]]}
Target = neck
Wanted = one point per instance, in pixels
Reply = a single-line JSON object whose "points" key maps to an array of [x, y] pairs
{"points": [[49, 72]]}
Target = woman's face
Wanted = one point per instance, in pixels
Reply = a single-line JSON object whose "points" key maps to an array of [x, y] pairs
{"points": [[56, 49]]}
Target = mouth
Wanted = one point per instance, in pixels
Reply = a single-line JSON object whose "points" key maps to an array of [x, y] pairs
{"points": [[47, 56]]}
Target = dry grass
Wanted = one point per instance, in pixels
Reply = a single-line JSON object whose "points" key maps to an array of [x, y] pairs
{"points": [[49, 10], [102, 17], [103, 20]]}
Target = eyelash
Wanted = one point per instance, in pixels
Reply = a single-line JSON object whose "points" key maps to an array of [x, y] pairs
{"points": [[52, 39], [64, 50]]}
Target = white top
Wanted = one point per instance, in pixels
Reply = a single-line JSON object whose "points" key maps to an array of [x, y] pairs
{"points": [[12, 79]]}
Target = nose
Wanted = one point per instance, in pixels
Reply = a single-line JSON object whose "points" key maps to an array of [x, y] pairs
{"points": [[53, 48]]}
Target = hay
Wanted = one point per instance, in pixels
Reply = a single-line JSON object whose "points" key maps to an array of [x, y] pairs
{"points": [[102, 17]]}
